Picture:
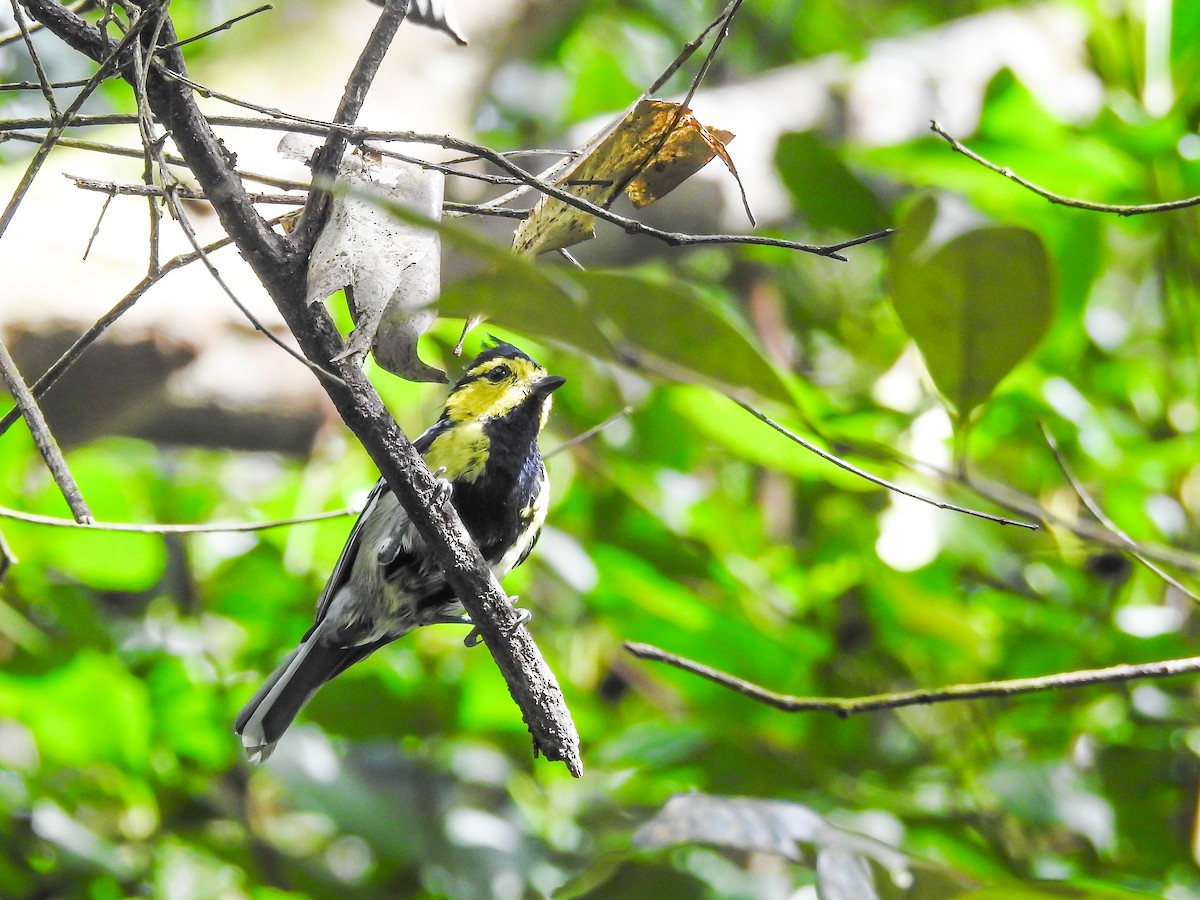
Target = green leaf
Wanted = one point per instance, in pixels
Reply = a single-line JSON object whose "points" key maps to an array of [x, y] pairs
{"points": [[526, 300], [823, 188], [90, 710], [664, 326], [681, 330], [975, 305]]}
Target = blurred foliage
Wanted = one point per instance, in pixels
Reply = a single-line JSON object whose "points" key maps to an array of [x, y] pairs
{"points": [[691, 526]]}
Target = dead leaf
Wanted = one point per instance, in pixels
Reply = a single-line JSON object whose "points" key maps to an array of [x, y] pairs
{"points": [[646, 154], [775, 826], [391, 269]]}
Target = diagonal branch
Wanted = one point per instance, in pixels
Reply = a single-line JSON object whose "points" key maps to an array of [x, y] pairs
{"points": [[329, 157], [42, 437], [1102, 517], [281, 266], [1060, 199]]}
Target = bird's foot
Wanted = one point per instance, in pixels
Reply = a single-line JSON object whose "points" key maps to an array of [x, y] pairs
{"points": [[523, 615], [443, 489]]}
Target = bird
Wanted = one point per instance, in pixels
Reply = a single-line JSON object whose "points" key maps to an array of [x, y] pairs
{"points": [[484, 450]]}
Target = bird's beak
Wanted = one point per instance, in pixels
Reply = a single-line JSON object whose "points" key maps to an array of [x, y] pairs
{"points": [[548, 385]]}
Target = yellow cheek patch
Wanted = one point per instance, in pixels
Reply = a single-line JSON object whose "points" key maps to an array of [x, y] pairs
{"points": [[462, 450], [481, 398]]}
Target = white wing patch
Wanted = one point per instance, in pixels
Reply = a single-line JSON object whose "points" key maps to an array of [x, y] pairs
{"points": [[535, 516]]}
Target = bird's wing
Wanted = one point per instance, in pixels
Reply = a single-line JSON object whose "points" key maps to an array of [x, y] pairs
{"points": [[429, 435], [345, 562]]}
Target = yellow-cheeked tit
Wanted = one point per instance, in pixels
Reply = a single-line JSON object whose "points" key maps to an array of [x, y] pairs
{"points": [[384, 583]]}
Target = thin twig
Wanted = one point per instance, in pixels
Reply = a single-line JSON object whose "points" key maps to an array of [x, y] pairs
{"points": [[1022, 504], [205, 528], [875, 479], [691, 47], [1096, 510], [60, 123], [42, 437], [152, 152], [453, 210], [224, 26], [286, 184], [43, 79], [16, 34], [846, 707], [96, 228], [590, 433], [36, 86], [72, 354], [119, 188], [327, 160], [1062, 200]]}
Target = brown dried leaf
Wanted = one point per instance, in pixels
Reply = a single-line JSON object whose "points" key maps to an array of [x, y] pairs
{"points": [[647, 153]]}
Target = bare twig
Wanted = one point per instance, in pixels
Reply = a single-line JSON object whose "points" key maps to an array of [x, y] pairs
{"points": [[1096, 510], [326, 161], [72, 354], [42, 437], [108, 61], [846, 707], [1060, 199], [590, 433], [205, 528], [96, 228], [875, 479], [1022, 504], [37, 86], [120, 188], [723, 18], [43, 81], [224, 26]]}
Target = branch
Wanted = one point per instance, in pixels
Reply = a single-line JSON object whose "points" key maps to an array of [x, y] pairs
{"points": [[329, 157], [118, 188], [281, 121], [282, 269], [846, 707], [203, 528], [875, 479], [1096, 510], [1060, 199], [42, 437]]}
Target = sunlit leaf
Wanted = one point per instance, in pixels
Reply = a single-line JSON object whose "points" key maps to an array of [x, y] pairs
{"points": [[975, 304], [824, 189], [87, 711]]}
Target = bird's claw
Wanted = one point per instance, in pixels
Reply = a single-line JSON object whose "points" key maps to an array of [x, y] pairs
{"points": [[442, 488], [474, 638]]}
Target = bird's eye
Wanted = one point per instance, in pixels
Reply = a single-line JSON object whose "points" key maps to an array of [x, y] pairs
{"points": [[498, 374]]}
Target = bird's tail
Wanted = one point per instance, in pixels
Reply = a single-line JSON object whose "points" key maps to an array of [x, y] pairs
{"points": [[271, 710]]}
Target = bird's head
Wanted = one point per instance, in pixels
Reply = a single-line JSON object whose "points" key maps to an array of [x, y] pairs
{"points": [[499, 381]]}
